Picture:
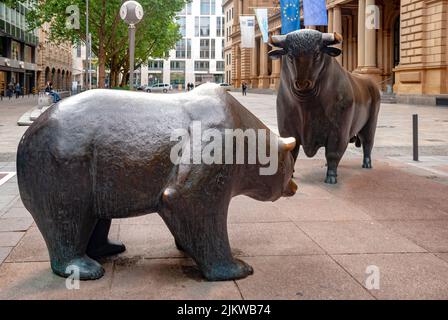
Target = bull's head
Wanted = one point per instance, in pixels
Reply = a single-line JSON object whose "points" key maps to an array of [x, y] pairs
{"points": [[305, 52]]}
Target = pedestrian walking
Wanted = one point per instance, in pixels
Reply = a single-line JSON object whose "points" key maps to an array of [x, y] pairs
{"points": [[10, 90], [18, 90], [244, 87]]}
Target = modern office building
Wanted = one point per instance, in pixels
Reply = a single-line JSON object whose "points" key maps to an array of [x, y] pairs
{"points": [[198, 56], [17, 48], [407, 52]]}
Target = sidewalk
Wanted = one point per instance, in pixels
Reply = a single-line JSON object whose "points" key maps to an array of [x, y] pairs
{"points": [[320, 244]]}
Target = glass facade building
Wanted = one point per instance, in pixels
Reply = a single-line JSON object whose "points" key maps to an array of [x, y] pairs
{"points": [[17, 49]]}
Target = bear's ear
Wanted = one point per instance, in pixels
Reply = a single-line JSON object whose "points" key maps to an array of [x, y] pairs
{"points": [[287, 144]]}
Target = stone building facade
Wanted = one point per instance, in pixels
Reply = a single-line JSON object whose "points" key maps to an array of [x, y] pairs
{"points": [[407, 53], [54, 62]]}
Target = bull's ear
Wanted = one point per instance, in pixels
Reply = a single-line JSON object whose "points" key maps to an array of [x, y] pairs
{"points": [[333, 52], [276, 53]]}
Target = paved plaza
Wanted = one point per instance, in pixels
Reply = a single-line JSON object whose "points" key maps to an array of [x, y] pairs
{"points": [[389, 224]]}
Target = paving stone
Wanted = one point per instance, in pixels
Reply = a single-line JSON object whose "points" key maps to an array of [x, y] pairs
{"points": [[246, 210], [299, 278], [443, 256], [262, 239], [397, 209], [15, 212], [357, 237], [32, 247], [36, 281], [4, 252], [10, 239], [402, 276], [431, 235], [167, 279], [149, 241], [321, 210], [10, 189], [15, 224]]}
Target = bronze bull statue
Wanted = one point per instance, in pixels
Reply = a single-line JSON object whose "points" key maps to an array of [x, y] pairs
{"points": [[107, 154], [321, 104]]}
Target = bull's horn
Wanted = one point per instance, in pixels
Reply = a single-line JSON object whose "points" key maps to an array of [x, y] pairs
{"points": [[330, 39], [278, 41], [293, 186], [287, 144]]}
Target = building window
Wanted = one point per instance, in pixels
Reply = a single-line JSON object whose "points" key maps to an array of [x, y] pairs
{"points": [[201, 65], [213, 49], [204, 52], [78, 51], [219, 65], [177, 65], [155, 64], [205, 7], [189, 8], [196, 26], [188, 48], [15, 50], [180, 49], [205, 26], [177, 79], [220, 26], [181, 21], [213, 7], [28, 54]]}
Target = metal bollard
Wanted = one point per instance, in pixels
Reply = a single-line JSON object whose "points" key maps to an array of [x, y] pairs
{"points": [[415, 136]]}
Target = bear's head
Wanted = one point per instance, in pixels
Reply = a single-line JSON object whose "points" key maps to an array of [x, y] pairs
{"points": [[273, 177]]}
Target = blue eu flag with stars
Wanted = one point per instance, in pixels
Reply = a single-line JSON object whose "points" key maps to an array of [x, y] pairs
{"points": [[290, 15]]}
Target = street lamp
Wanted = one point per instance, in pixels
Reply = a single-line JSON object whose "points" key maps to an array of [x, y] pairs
{"points": [[131, 12]]}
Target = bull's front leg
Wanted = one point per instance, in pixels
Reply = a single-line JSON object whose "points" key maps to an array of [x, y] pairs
{"points": [[334, 151]]}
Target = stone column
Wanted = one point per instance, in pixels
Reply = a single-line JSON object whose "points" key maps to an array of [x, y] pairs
{"points": [[361, 32], [263, 79], [276, 69], [345, 52], [330, 20], [349, 42], [253, 69], [337, 27], [370, 43]]}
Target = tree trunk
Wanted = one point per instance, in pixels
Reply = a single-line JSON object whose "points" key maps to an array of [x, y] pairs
{"points": [[101, 66]]}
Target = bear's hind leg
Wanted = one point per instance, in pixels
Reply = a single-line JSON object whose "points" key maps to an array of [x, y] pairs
{"points": [[100, 245], [204, 237]]}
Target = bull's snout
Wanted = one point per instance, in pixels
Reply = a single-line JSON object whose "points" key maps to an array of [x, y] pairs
{"points": [[303, 85], [291, 189]]}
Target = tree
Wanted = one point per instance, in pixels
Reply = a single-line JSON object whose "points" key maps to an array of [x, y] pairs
{"points": [[156, 34]]}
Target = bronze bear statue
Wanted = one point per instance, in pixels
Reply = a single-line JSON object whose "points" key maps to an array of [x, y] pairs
{"points": [[107, 154]]}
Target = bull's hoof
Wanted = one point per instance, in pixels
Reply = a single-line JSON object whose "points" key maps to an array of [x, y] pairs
{"points": [[111, 248], [237, 270], [331, 180], [83, 268], [367, 163]]}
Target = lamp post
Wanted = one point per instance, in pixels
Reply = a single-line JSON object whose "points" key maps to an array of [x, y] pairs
{"points": [[131, 12]]}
